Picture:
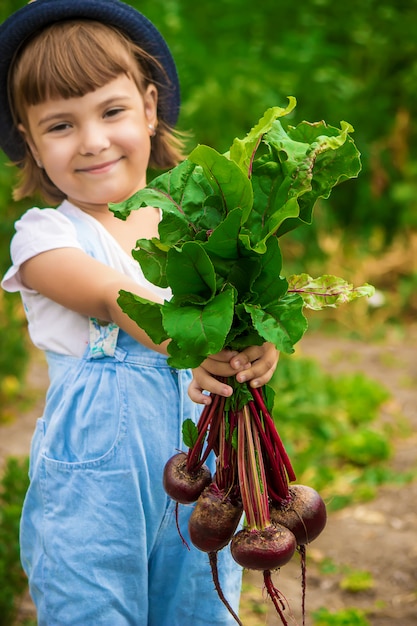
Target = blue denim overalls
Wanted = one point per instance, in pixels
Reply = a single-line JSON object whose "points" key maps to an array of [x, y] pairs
{"points": [[98, 535]]}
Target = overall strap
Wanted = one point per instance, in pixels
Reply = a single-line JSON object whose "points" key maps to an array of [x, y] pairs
{"points": [[103, 336]]}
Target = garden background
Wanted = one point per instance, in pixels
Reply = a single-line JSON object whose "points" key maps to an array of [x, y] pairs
{"points": [[356, 62]]}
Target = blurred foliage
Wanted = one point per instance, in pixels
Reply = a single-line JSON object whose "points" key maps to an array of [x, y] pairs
{"points": [[13, 485], [13, 355], [352, 61], [344, 617], [357, 581]]}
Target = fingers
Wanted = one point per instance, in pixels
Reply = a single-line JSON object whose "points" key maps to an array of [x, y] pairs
{"points": [[256, 376], [202, 382], [261, 369], [247, 356], [226, 363]]}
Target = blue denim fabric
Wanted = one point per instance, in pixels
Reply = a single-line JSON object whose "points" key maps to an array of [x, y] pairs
{"points": [[99, 540]]}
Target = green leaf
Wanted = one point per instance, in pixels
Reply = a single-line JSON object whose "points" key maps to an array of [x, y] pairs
{"points": [[199, 330], [152, 261], [326, 291], [241, 396], [260, 228], [300, 165], [330, 158], [283, 323], [146, 314], [240, 273], [181, 192], [173, 229], [242, 333], [188, 190], [223, 241], [269, 394], [233, 264], [269, 286], [189, 432], [183, 357], [243, 150], [230, 183], [191, 274]]}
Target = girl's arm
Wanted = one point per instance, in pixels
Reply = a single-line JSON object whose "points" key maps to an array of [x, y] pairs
{"points": [[82, 284]]}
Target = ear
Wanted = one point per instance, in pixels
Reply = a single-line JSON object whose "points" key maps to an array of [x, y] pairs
{"points": [[29, 142], [150, 101]]}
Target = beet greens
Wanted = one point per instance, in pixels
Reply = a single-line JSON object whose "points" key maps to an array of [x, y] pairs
{"points": [[218, 246], [218, 252]]}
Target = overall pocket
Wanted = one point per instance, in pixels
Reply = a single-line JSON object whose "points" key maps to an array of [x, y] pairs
{"points": [[84, 425]]}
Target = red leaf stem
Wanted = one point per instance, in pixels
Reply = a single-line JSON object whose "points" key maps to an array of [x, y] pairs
{"points": [[241, 463], [194, 453], [278, 483], [251, 472], [226, 464], [253, 155], [213, 430], [272, 432]]}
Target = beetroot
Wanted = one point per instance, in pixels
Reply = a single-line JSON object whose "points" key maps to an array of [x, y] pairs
{"points": [[214, 519], [265, 549], [180, 483], [304, 513]]}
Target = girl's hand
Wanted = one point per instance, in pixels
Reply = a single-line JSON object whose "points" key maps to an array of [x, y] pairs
{"points": [[254, 365]]}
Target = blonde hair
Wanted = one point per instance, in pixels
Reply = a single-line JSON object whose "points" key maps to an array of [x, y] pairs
{"points": [[69, 59]]}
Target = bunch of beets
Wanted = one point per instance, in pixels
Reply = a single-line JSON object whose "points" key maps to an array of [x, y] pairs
{"points": [[253, 476]]}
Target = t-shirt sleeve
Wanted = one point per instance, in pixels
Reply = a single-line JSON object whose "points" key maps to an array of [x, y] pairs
{"points": [[37, 231]]}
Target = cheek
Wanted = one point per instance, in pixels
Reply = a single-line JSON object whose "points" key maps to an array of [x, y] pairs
{"points": [[53, 155], [56, 163], [135, 139]]}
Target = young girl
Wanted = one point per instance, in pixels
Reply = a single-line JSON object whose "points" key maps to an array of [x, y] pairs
{"points": [[88, 99]]}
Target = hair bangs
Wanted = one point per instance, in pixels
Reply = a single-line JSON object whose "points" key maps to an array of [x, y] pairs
{"points": [[72, 59]]}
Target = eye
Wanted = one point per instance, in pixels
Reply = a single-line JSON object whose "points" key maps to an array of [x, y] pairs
{"points": [[59, 128], [113, 111]]}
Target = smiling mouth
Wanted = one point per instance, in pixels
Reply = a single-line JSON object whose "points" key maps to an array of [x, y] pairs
{"points": [[100, 167]]}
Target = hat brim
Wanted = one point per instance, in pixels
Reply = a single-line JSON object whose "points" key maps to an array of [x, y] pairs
{"points": [[40, 13]]}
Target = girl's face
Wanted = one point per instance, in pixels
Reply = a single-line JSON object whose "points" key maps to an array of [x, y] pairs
{"points": [[95, 148]]}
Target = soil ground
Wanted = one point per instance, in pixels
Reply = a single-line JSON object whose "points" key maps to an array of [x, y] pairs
{"points": [[379, 537]]}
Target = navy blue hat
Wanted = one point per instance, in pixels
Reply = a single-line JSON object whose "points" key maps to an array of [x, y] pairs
{"points": [[40, 13]]}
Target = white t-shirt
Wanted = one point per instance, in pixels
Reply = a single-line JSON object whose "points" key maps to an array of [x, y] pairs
{"points": [[51, 326]]}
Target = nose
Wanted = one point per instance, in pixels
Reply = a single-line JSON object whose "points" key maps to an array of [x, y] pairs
{"points": [[93, 139]]}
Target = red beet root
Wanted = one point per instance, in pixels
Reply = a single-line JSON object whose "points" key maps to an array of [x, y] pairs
{"points": [[217, 586], [214, 520], [265, 549], [182, 485], [304, 513]]}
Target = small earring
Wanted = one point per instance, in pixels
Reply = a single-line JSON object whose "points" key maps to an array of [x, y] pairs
{"points": [[152, 129], [39, 164]]}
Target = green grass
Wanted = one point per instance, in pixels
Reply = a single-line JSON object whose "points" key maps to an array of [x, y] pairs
{"points": [[345, 617]]}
